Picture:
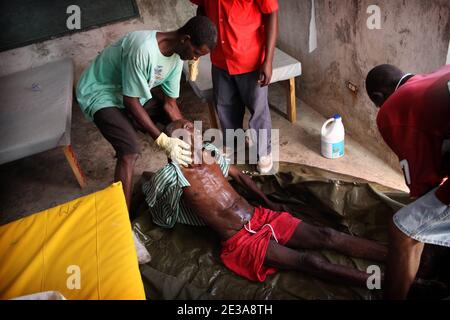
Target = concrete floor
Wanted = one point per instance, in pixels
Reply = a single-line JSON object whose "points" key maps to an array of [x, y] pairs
{"points": [[45, 180]]}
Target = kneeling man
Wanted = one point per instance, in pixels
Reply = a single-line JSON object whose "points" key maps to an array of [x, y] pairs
{"points": [[115, 90]]}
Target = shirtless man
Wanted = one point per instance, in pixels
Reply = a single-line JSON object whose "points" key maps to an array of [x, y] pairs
{"points": [[255, 241]]}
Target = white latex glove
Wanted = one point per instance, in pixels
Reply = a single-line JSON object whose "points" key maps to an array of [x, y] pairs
{"points": [[176, 149]]}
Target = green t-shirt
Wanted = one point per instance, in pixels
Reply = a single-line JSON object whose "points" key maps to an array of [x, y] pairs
{"points": [[131, 67]]}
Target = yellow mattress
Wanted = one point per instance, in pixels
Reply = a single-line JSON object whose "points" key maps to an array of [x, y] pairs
{"points": [[83, 249]]}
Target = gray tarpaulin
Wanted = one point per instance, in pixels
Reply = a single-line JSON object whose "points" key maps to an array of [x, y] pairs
{"points": [[185, 260]]}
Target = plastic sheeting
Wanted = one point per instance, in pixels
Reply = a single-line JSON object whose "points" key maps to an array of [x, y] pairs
{"points": [[185, 260]]}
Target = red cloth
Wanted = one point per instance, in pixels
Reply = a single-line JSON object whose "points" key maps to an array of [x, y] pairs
{"points": [[415, 122], [244, 253], [241, 36]]}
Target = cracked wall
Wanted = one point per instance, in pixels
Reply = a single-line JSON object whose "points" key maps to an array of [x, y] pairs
{"points": [[415, 35]]}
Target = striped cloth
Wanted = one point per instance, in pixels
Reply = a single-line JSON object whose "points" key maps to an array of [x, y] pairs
{"points": [[164, 190]]}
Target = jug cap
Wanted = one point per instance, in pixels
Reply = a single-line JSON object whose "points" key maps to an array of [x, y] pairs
{"points": [[337, 116]]}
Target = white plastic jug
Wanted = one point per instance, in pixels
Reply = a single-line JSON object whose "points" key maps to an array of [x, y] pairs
{"points": [[333, 138]]}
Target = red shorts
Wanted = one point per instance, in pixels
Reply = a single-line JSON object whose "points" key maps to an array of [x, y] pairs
{"points": [[245, 252]]}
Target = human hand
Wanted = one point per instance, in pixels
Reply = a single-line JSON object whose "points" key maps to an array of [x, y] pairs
{"points": [[193, 69], [265, 74], [176, 149]]}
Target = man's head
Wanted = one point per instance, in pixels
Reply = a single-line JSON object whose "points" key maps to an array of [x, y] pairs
{"points": [[381, 82], [197, 38], [184, 130]]}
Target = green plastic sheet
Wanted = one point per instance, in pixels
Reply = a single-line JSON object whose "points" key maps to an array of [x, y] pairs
{"points": [[185, 260]]}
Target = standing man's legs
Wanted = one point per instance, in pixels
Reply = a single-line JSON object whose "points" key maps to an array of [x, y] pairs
{"points": [[230, 107], [402, 264], [255, 98]]}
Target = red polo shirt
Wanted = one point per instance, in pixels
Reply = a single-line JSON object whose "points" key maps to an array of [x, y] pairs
{"points": [[415, 122], [241, 36]]}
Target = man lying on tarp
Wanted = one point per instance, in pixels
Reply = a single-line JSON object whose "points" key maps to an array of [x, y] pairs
{"points": [[255, 241]]}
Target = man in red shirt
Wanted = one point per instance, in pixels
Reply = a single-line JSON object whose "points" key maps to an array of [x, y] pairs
{"points": [[242, 66], [414, 120]]}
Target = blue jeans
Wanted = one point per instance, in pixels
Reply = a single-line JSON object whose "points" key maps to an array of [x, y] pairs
{"points": [[426, 220], [232, 93]]}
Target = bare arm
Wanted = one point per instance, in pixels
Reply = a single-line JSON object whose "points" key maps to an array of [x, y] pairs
{"points": [[271, 28], [171, 108], [135, 108], [246, 182]]}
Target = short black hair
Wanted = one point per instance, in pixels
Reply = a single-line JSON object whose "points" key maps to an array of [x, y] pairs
{"points": [[171, 127], [382, 76], [201, 30]]}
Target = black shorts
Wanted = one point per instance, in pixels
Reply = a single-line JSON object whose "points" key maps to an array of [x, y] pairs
{"points": [[120, 129]]}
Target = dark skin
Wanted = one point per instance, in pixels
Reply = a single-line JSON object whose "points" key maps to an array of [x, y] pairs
{"points": [[169, 43], [213, 198], [271, 26], [383, 93], [405, 253], [270, 22]]}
